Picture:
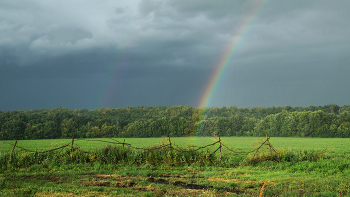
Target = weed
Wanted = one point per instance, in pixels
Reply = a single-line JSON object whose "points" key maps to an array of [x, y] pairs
{"points": [[2, 184], [30, 191]]}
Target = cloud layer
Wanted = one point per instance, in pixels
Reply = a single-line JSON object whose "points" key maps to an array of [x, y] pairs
{"points": [[146, 53]]}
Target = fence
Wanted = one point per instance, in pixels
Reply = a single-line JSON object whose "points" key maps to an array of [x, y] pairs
{"points": [[170, 145]]}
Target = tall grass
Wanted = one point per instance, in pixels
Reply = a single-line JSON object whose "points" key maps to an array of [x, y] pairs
{"points": [[286, 155], [109, 155]]}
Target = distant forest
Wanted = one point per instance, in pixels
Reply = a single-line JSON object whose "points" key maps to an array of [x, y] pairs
{"points": [[176, 121]]}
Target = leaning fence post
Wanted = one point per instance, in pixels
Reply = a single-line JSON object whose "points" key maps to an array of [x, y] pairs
{"points": [[171, 149], [72, 140], [14, 146], [220, 146]]}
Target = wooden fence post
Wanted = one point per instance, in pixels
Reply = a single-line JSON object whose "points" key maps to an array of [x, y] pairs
{"points": [[171, 149], [14, 146], [72, 140], [220, 146], [123, 142]]}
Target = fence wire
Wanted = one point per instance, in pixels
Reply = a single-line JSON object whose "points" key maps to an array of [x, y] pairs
{"points": [[170, 146]]}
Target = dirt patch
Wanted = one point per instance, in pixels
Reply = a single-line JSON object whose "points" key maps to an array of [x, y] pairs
{"points": [[109, 176], [167, 175], [186, 192], [223, 180], [192, 186], [101, 183], [108, 180], [150, 188], [229, 180], [105, 176], [117, 177], [125, 184], [158, 181], [44, 194]]}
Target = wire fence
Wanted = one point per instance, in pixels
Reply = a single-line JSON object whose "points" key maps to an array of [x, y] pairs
{"points": [[169, 146]]}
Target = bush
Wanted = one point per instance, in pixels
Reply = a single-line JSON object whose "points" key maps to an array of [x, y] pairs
{"points": [[285, 155]]}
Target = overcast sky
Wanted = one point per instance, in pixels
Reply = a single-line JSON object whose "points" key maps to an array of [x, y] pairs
{"points": [[105, 53]]}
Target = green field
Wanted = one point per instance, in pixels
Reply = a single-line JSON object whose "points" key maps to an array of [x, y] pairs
{"points": [[339, 145], [324, 177]]}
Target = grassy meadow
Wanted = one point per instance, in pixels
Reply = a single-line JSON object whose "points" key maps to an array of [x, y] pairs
{"points": [[339, 145], [234, 175]]}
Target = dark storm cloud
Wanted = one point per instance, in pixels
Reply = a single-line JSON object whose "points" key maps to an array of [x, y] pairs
{"points": [[72, 65], [139, 87], [62, 54]]}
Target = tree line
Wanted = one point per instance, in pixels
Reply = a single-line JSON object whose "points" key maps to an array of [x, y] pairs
{"points": [[176, 121]]}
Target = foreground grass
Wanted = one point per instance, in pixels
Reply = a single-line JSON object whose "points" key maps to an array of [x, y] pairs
{"points": [[233, 176], [145, 180]]}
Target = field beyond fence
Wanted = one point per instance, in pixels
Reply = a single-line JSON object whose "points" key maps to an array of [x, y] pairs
{"points": [[338, 145]]}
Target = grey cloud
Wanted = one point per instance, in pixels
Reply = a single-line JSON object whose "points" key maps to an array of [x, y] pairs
{"points": [[119, 10], [66, 34], [148, 6], [211, 9], [287, 55], [133, 87], [65, 66]]}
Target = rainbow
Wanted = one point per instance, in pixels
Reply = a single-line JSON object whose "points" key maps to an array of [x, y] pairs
{"points": [[219, 69]]}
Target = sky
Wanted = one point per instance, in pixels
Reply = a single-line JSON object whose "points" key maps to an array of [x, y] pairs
{"points": [[104, 53]]}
